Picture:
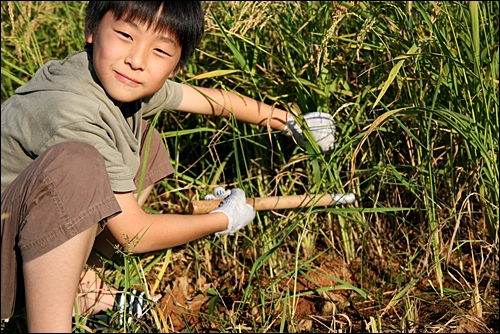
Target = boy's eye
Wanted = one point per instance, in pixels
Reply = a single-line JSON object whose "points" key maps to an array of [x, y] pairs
{"points": [[162, 52], [124, 34]]}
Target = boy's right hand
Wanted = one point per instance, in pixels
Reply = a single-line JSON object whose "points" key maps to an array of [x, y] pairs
{"points": [[322, 126], [238, 212]]}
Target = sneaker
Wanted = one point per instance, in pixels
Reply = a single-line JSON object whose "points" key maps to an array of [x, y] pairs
{"points": [[133, 301]]}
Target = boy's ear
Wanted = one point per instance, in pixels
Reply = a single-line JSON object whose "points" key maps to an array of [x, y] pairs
{"points": [[173, 73], [89, 36]]}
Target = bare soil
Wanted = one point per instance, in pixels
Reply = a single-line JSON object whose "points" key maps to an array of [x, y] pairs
{"points": [[191, 306]]}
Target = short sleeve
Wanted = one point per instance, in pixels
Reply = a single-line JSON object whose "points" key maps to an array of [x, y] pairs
{"points": [[168, 97]]}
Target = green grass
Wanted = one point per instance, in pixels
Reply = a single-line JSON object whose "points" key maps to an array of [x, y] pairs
{"points": [[413, 87]]}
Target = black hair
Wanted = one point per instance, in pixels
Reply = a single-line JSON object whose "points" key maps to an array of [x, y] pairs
{"points": [[183, 19]]}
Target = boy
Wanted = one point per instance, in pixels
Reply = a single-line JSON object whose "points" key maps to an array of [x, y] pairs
{"points": [[72, 144]]}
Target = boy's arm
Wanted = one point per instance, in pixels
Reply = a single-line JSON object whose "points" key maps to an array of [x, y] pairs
{"points": [[159, 231], [212, 101], [217, 102]]}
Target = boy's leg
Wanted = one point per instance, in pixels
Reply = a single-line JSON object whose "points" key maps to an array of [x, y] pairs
{"points": [[95, 296], [51, 281], [52, 210]]}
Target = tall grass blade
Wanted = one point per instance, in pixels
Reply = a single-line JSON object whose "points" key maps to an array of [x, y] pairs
{"points": [[394, 72]]}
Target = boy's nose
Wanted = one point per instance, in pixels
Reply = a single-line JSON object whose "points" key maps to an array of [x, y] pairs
{"points": [[137, 58]]}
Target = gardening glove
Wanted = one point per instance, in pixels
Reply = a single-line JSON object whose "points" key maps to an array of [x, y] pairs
{"points": [[322, 129], [219, 193], [238, 212]]}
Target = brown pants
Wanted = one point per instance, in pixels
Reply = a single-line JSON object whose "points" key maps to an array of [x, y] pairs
{"points": [[62, 193]]}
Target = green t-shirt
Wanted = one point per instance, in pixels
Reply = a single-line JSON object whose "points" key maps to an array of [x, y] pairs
{"points": [[64, 101]]}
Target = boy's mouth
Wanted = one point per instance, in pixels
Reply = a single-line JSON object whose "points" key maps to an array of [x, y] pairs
{"points": [[125, 79]]}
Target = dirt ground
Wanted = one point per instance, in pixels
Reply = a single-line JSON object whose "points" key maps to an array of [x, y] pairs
{"points": [[420, 310]]}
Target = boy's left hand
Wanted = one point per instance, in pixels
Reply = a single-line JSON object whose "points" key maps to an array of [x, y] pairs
{"points": [[235, 207], [219, 193], [322, 126]]}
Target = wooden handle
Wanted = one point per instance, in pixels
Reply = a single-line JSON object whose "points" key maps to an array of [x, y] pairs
{"points": [[277, 202]]}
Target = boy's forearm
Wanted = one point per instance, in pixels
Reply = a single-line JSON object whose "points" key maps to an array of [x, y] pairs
{"points": [[212, 101], [252, 111], [170, 230], [141, 232]]}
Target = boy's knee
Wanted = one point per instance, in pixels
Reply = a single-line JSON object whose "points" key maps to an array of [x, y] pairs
{"points": [[75, 152], [81, 158]]}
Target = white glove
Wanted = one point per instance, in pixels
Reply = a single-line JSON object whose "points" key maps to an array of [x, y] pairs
{"points": [[322, 126], [219, 193], [238, 212]]}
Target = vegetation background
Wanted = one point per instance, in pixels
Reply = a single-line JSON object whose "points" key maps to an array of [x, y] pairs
{"points": [[413, 87]]}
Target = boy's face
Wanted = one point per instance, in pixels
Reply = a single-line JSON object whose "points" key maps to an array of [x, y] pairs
{"points": [[130, 61]]}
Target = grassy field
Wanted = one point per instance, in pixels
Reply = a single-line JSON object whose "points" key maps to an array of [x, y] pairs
{"points": [[413, 87]]}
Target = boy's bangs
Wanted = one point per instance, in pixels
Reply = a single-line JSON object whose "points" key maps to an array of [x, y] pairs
{"points": [[152, 14]]}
